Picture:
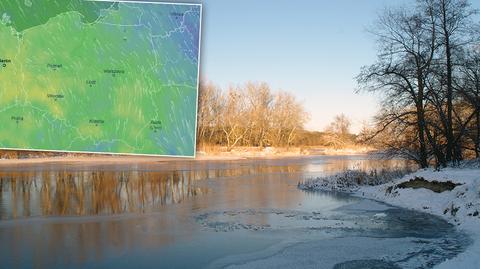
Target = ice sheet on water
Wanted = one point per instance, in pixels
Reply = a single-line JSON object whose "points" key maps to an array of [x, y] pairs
{"points": [[383, 236], [366, 264], [356, 252], [274, 220], [390, 223], [366, 205]]}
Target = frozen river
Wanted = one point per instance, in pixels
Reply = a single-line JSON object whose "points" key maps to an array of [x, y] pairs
{"points": [[208, 214]]}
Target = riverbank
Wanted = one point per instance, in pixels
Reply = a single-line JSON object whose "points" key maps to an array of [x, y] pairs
{"points": [[219, 154], [451, 193], [248, 152]]}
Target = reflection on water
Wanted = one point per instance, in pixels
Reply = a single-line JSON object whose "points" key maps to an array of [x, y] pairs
{"points": [[335, 164], [80, 191], [46, 193], [67, 193]]}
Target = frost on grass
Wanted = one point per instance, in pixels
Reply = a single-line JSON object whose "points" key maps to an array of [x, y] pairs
{"points": [[471, 164], [351, 180]]}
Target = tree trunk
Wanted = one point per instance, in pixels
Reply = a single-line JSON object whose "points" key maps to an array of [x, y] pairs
{"points": [[451, 154], [421, 137], [421, 121], [436, 149], [477, 139]]}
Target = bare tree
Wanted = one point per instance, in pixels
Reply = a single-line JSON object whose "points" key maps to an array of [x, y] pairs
{"points": [[232, 118], [406, 50], [259, 101], [248, 115], [338, 131], [209, 109], [288, 117], [341, 125], [453, 23], [469, 89], [427, 81]]}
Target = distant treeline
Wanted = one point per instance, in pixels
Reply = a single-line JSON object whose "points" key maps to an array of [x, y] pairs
{"points": [[248, 115], [252, 115], [428, 72]]}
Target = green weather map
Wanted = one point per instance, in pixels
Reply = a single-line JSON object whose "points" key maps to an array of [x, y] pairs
{"points": [[99, 76]]}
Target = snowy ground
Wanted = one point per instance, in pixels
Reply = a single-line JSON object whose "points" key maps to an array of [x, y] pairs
{"points": [[460, 206]]}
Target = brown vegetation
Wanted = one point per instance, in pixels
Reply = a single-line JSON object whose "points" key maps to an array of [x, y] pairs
{"points": [[420, 182], [248, 115], [252, 115]]}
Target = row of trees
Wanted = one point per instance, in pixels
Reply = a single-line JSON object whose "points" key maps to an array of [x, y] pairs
{"points": [[248, 115], [428, 71]]}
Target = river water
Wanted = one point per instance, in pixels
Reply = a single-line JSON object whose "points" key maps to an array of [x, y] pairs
{"points": [[208, 214]]}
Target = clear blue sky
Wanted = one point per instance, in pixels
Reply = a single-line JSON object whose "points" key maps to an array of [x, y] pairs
{"points": [[312, 48]]}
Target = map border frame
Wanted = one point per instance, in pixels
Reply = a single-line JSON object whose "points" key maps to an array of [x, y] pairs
{"points": [[196, 101]]}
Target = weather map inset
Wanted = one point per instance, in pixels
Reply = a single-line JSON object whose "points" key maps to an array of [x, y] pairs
{"points": [[99, 76]]}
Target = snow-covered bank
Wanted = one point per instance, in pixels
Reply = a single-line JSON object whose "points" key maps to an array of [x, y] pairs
{"points": [[460, 206]]}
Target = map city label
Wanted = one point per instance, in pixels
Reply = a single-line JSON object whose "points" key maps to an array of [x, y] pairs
{"points": [[91, 83], [96, 122], [114, 72], [17, 119], [54, 67], [55, 97], [155, 125], [177, 15], [4, 62]]}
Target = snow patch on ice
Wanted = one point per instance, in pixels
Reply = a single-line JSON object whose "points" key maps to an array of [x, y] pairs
{"points": [[380, 215]]}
